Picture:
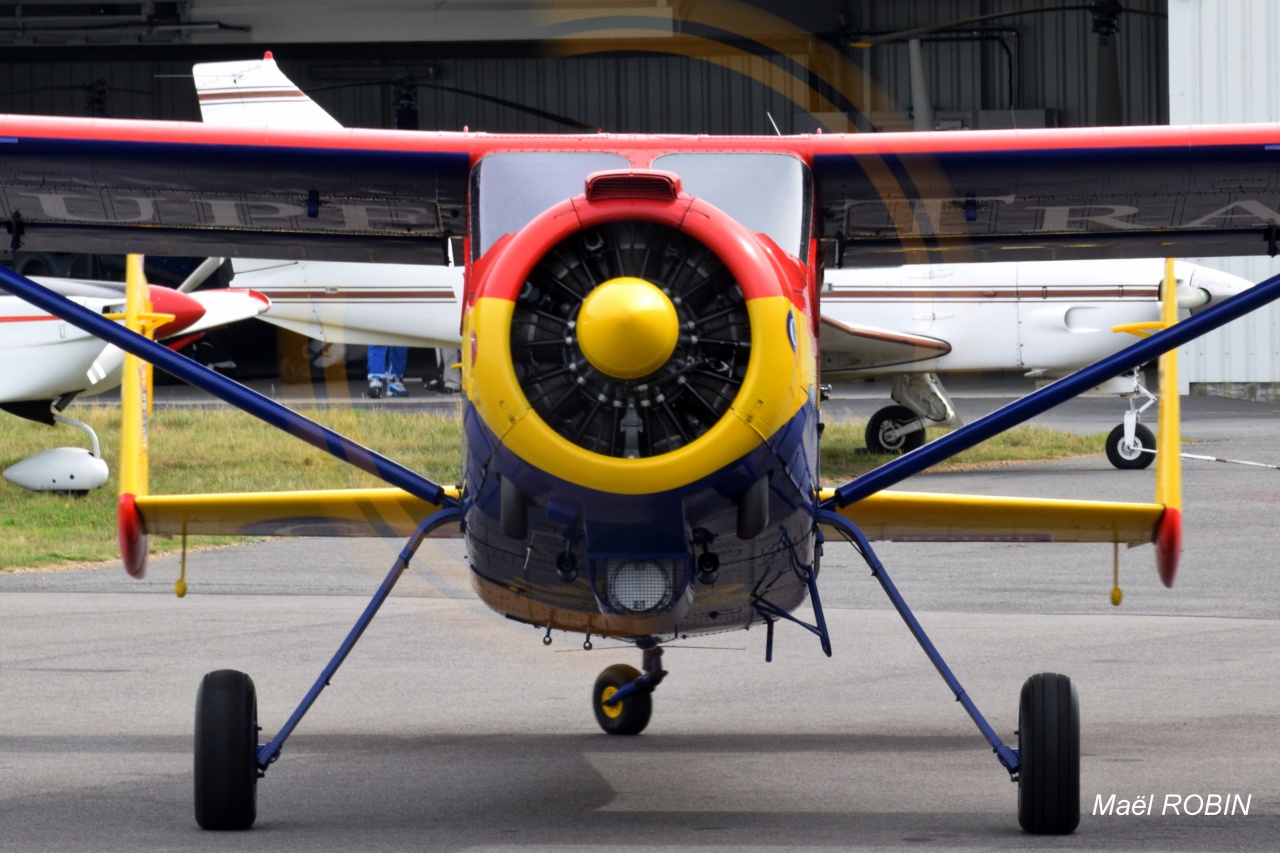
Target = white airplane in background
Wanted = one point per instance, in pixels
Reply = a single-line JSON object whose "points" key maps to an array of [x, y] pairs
{"points": [[45, 363], [1042, 319]]}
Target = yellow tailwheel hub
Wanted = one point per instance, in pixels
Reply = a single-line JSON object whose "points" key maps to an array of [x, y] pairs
{"points": [[627, 327]]}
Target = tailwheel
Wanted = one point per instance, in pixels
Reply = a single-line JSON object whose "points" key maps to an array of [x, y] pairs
{"points": [[226, 759], [629, 716], [1049, 758]]}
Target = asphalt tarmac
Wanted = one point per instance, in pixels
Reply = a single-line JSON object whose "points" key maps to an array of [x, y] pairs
{"points": [[451, 728]]}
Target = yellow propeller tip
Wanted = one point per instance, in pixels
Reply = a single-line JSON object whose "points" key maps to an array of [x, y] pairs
{"points": [[1116, 596]]}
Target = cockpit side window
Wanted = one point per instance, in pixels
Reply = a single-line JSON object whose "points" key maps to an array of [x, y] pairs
{"points": [[768, 193], [510, 189]]}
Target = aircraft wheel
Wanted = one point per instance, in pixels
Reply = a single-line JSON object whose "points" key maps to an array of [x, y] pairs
{"points": [[886, 419], [631, 715], [295, 371], [1049, 744], [226, 762], [1134, 457]]}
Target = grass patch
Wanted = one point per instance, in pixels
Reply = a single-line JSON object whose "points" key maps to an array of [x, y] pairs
{"points": [[845, 455], [195, 451], [224, 450]]}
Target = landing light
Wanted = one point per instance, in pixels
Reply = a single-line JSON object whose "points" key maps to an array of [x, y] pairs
{"points": [[640, 584]]}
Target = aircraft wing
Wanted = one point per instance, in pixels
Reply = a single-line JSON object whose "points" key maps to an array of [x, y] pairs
{"points": [[891, 515], [1050, 194], [330, 512], [176, 188], [872, 347], [392, 196], [936, 517]]}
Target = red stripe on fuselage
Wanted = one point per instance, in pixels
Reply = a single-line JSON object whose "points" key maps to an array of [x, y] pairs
{"points": [[288, 94]]}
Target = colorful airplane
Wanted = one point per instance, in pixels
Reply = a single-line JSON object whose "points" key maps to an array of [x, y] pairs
{"points": [[1043, 319], [46, 363], [640, 332]]}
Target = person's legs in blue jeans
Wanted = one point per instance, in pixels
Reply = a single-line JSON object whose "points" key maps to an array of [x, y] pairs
{"points": [[397, 357], [377, 370]]}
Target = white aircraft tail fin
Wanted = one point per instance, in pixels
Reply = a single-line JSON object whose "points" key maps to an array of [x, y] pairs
{"points": [[256, 93]]}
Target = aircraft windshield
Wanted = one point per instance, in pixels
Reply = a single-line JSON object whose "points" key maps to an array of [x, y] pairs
{"points": [[767, 193], [509, 190]]}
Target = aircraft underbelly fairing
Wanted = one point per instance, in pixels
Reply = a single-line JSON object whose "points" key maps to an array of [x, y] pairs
{"points": [[594, 532]]}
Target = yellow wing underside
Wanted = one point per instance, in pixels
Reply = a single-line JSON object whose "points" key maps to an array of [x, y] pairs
{"points": [[339, 512], [930, 517], [906, 516]]}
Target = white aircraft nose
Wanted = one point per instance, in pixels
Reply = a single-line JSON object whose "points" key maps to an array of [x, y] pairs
{"points": [[1216, 285]]}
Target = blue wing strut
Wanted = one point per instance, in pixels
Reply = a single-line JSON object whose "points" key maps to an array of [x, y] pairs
{"points": [[264, 408]]}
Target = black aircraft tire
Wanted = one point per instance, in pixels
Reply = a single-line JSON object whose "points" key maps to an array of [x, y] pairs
{"points": [[226, 761], [631, 715], [1049, 740], [888, 418], [1135, 459]]}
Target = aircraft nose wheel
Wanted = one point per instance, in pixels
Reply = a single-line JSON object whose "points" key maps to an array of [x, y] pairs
{"points": [[226, 751], [879, 430], [1049, 755], [628, 716], [1131, 456]]}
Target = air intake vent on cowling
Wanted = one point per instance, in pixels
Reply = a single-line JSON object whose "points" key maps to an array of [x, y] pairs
{"points": [[673, 404], [641, 186]]}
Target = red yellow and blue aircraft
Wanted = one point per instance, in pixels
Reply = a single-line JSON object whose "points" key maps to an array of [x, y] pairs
{"points": [[642, 410]]}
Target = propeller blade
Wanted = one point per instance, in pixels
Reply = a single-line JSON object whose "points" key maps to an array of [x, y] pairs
{"points": [[200, 274]]}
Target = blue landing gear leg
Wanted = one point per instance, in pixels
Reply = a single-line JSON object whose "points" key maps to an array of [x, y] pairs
{"points": [[623, 696], [1046, 764], [228, 758]]}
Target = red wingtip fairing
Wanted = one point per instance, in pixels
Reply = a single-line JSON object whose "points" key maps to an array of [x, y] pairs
{"points": [[1169, 544], [184, 309], [133, 538]]}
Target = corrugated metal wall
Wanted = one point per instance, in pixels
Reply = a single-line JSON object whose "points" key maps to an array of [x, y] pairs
{"points": [[1224, 68], [139, 89], [1039, 61], [1054, 58], [725, 93]]}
